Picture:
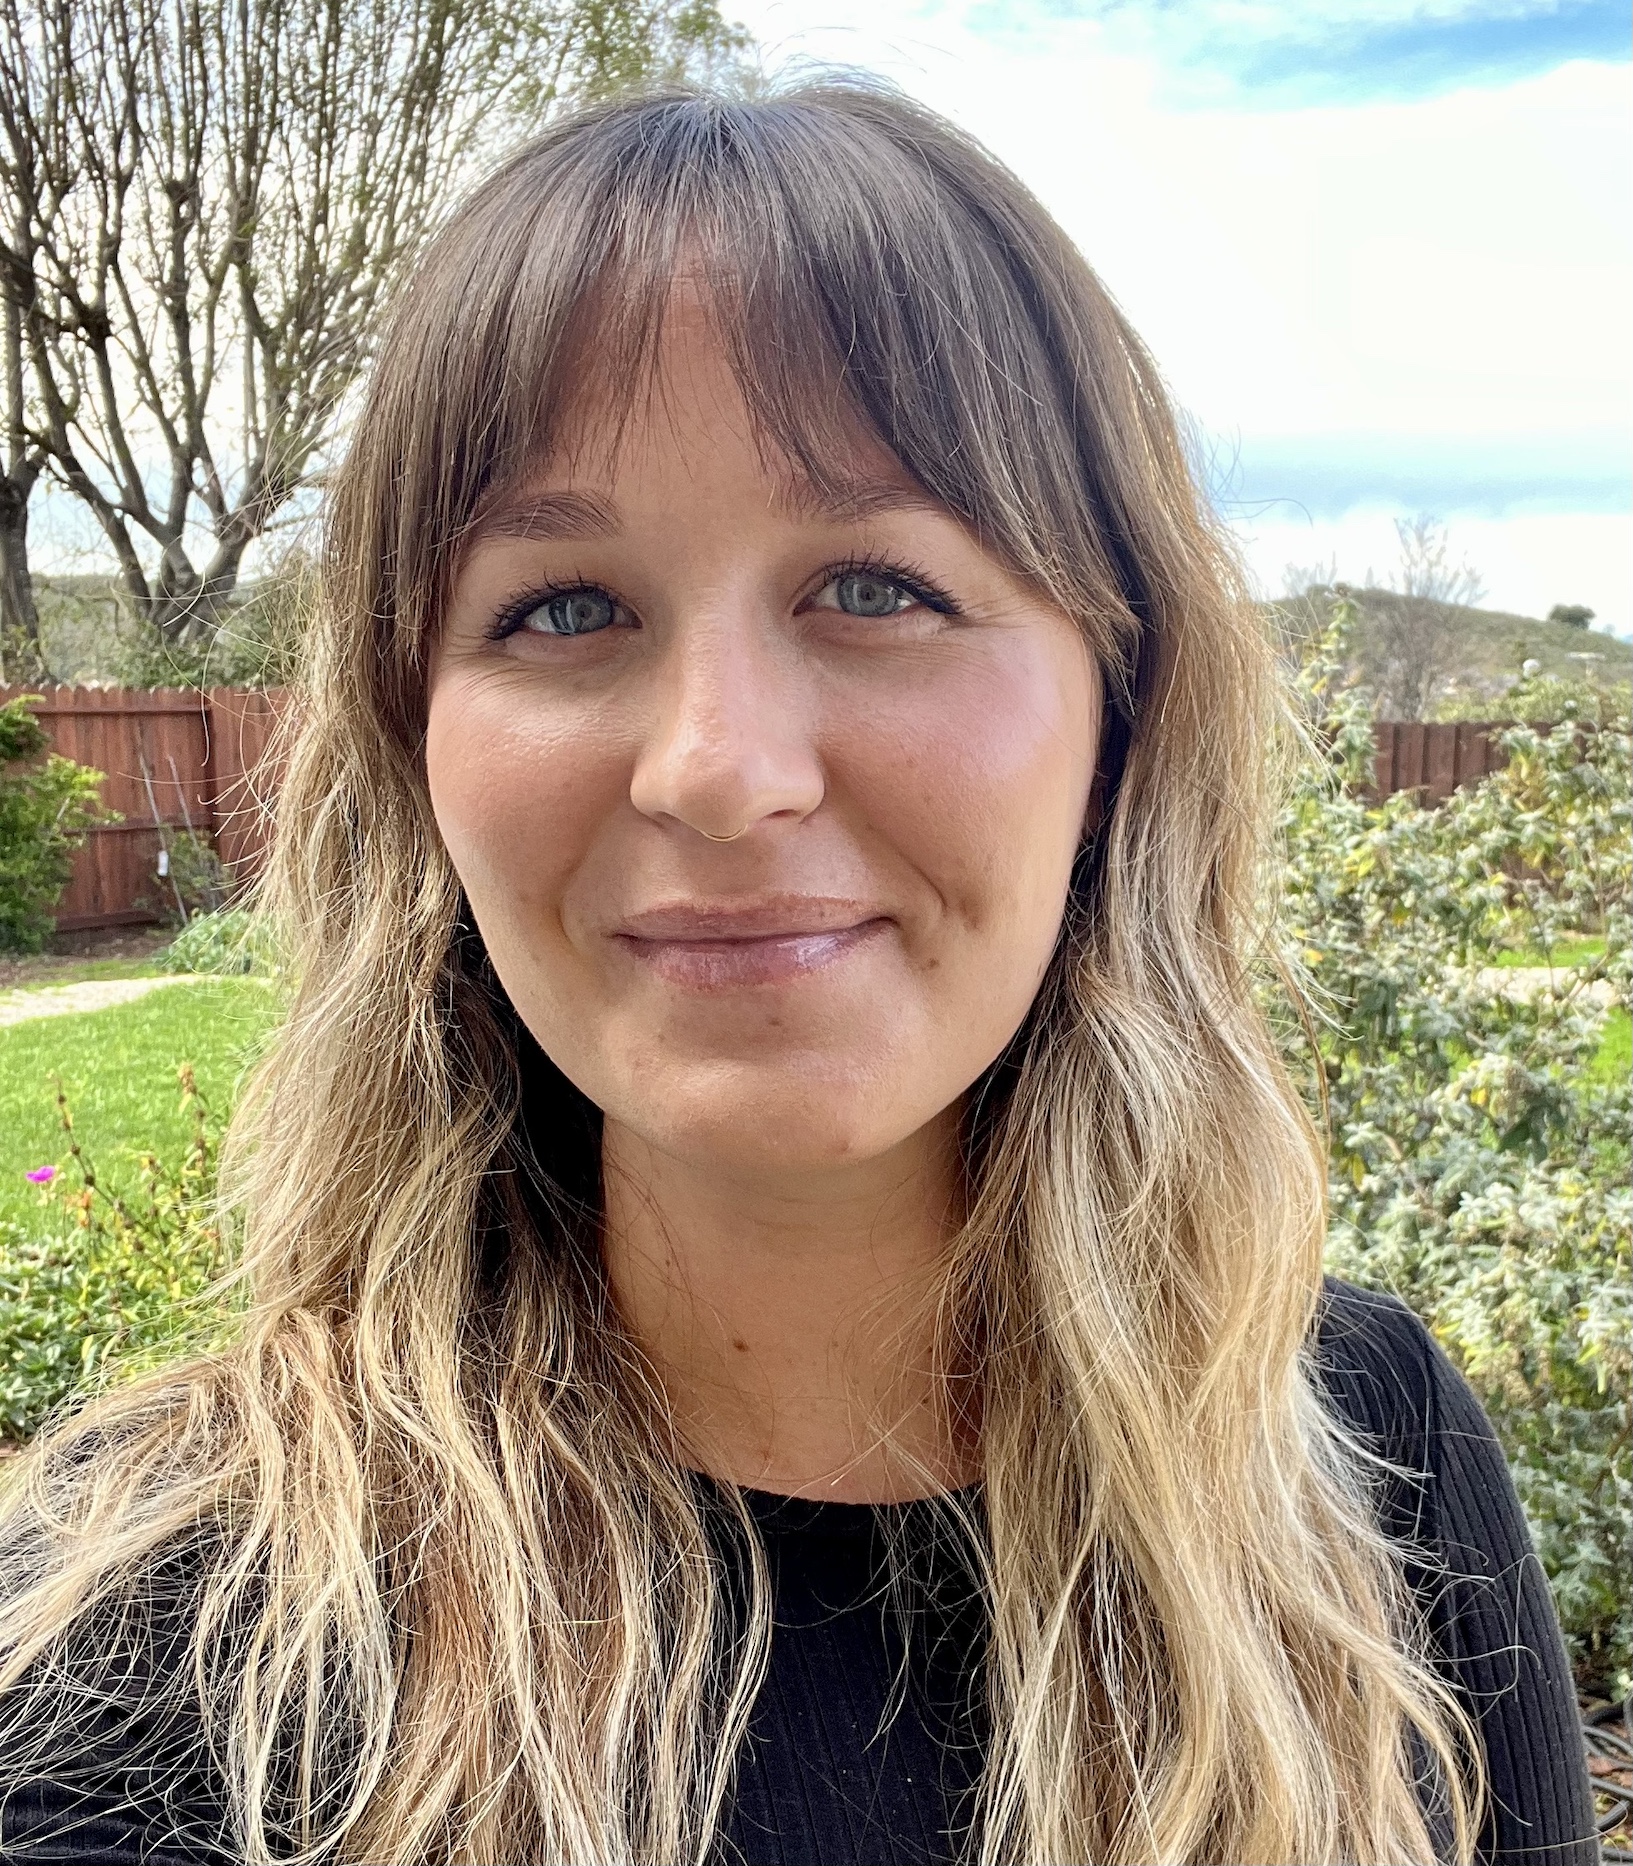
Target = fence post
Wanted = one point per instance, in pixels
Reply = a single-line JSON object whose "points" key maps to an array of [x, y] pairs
{"points": [[1384, 733], [212, 779]]}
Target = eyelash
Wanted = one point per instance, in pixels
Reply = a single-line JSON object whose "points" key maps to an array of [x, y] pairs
{"points": [[510, 619], [914, 581]]}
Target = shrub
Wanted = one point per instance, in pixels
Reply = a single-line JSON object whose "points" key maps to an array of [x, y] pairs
{"points": [[196, 874], [1542, 698], [114, 1283], [1479, 1157], [45, 809], [233, 943]]}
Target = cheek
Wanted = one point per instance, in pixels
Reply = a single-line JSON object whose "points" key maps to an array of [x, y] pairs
{"points": [[985, 778], [514, 796]]}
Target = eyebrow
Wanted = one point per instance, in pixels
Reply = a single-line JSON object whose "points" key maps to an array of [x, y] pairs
{"points": [[556, 517], [863, 498], [544, 517]]}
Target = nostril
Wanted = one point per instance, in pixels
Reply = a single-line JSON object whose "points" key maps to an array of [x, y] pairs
{"points": [[720, 784]]}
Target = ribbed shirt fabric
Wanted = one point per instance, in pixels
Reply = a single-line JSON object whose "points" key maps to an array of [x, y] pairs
{"points": [[867, 1737]]}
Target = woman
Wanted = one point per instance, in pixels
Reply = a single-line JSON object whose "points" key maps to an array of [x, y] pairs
{"points": [[785, 1316]]}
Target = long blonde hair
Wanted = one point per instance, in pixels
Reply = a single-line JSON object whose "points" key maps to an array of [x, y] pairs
{"points": [[454, 1595]]}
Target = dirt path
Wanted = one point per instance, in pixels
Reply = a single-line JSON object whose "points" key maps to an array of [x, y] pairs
{"points": [[1523, 982], [17, 1007]]}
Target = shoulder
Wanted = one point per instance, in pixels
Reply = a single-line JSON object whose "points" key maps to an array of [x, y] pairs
{"points": [[1450, 1502], [1372, 1350], [104, 1753], [1388, 1379]]}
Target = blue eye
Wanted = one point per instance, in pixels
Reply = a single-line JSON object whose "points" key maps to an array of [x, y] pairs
{"points": [[572, 612], [877, 591], [862, 593]]}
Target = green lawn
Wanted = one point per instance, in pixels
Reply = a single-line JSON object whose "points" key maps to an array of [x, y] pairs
{"points": [[92, 971], [1615, 1058], [118, 1067], [1567, 952]]}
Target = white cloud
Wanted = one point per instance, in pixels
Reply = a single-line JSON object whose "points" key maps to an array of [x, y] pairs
{"points": [[1451, 274], [1461, 263]]}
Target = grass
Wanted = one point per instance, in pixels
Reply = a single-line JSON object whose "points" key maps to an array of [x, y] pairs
{"points": [[1567, 952], [118, 1068], [126, 953], [1614, 1061]]}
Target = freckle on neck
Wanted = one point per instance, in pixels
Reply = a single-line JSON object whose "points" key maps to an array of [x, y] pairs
{"points": [[740, 1346]]}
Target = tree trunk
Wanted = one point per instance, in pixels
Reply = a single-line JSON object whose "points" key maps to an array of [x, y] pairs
{"points": [[20, 654], [187, 607]]}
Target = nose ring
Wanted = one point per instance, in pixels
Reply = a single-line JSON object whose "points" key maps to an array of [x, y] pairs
{"points": [[731, 838]]}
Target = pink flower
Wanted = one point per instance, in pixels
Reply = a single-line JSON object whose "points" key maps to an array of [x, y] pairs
{"points": [[43, 1175]]}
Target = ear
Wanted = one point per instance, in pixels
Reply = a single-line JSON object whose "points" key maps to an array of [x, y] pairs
{"points": [[1110, 756], [1099, 803]]}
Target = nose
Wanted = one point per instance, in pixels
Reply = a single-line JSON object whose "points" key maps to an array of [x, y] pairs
{"points": [[730, 746]]}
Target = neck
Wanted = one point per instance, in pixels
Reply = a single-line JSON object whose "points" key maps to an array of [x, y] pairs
{"points": [[790, 1318]]}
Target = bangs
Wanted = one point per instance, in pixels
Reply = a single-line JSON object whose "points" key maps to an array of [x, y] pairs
{"points": [[854, 274]]}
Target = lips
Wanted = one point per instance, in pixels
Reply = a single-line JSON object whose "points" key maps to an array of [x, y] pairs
{"points": [[707, 946]]}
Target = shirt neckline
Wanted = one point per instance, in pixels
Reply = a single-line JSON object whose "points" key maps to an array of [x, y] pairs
{"points": [[788, 1515]]}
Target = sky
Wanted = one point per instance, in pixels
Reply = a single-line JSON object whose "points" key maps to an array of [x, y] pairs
{"points": [[1381, 249]]}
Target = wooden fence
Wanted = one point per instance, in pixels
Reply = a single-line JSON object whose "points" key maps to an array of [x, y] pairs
{"points": [[177, 760], [174, 760], [1433, 758]]}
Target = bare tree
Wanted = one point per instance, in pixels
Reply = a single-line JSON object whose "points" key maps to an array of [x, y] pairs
{"points": [[1416, 628], [207, 201], [1426, 568], [22, 460], [24, 453]]}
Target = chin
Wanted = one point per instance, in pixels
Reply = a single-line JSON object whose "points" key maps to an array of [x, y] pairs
{"points": [[787, 1127]]}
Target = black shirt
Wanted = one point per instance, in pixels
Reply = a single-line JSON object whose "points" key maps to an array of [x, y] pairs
{"points": [[854, 1758]]}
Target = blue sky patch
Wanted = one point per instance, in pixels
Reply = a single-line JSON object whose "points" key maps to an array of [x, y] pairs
{"points": [[1420, 60], [1325, 476], [1246, 54]]}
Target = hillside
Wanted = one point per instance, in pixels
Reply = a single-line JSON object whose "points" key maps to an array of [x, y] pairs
{"points": [[1422, 657]]}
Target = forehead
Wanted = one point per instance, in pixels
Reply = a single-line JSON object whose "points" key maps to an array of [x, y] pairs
{"points": [[820, 459]]}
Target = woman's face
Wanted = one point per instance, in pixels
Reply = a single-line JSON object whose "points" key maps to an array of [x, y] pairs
{"points": [[765, 806]]}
